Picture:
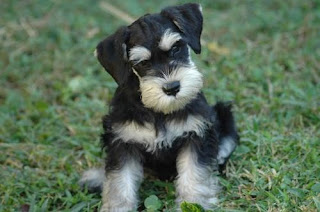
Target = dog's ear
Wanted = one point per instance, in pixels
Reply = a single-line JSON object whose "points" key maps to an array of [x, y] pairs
{"points": [[112, 55], [188, 18]]}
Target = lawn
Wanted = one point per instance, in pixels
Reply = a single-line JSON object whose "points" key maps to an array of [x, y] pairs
{"points": [[262, 55]]}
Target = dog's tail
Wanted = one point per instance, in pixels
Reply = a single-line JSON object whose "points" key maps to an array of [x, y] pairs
{"points": [[92, 180], [227, 131]]}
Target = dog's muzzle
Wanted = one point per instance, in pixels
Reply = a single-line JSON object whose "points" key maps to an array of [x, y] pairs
{"points": [[171, 88], [173, 91]]}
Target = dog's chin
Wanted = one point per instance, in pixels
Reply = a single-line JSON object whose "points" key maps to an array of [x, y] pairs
{"points": [[153, 96]]}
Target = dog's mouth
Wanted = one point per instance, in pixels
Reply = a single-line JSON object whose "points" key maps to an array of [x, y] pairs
{"points": [[173, 91]]}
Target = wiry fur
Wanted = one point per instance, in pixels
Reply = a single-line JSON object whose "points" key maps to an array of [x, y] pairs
{"points": [[227, 146], [139, 53], [121, 186], [153, 97], [168, 39], [196, 182], [159, 119], [153, 139], [93, 179]]}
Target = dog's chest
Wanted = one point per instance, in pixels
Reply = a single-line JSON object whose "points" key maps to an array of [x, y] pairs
{"points": [[154, 138]]}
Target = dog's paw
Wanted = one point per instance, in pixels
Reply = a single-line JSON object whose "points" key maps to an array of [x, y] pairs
{"points": [[93, 179], [226, 147]]}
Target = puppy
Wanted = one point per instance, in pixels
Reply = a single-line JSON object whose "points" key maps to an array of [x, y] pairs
{"points": [[159, 119]]}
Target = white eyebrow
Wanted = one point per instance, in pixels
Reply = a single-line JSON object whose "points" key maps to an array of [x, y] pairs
{"points": [[168, 39], [139, 53]]}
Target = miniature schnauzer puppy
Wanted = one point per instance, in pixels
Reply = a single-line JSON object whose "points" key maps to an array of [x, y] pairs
{"points": [[159, 119]]}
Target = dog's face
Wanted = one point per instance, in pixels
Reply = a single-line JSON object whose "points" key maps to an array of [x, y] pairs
{"points": [[156, 50]]}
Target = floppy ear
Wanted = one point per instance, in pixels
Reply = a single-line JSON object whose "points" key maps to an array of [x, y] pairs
{"points": [[112, 55], [188, 18]]}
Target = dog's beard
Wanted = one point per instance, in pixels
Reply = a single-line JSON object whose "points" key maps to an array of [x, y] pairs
{"points": [[153, 96]]}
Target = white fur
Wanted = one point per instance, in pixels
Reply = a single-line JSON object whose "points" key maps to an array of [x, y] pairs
{"points": [[136, 73], [168, 39], [225, 149], [95, 53], [193, 123], [178, 25], [195, 183], [146, 134], [200, 8], [139, 53], [153, 97], [132, 131], [93, 178], [120, 188]]}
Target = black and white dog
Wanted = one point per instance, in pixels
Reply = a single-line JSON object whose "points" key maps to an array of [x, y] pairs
{"points": [[159, 119]]}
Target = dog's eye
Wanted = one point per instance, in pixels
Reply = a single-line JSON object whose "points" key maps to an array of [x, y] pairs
{"points": [[142, 64], [176, 48]]}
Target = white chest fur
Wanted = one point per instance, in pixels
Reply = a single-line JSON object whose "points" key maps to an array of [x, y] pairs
{"points": [[146, 134]]}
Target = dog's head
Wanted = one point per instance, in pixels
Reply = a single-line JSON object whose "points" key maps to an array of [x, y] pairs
{"points": [[156, 50]]}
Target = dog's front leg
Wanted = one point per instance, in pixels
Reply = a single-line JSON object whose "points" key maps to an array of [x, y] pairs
{"points": [[124, 173], [196, 182]]}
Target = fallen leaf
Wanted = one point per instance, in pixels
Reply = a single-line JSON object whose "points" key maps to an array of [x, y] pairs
{"points": [[216, 48]]}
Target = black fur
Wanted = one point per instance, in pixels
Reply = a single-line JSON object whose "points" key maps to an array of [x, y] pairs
{"points": [[111, 52], [190, 23], [162, 162], [225, 125], [127, 106]]}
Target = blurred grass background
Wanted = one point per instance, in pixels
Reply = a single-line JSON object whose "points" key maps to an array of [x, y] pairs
{"points": [[264, 55]]}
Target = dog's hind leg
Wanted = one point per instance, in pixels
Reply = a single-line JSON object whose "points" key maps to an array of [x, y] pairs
{"points": [[227, 132], [93, 179]]}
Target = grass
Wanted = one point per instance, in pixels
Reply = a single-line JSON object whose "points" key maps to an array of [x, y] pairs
{"points": [[263, 55]]}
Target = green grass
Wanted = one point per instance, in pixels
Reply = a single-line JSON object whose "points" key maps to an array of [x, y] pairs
{"points": [[263, 55]]}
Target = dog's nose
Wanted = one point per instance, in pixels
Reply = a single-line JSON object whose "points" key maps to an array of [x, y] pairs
{"points": [[171, 88]]}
